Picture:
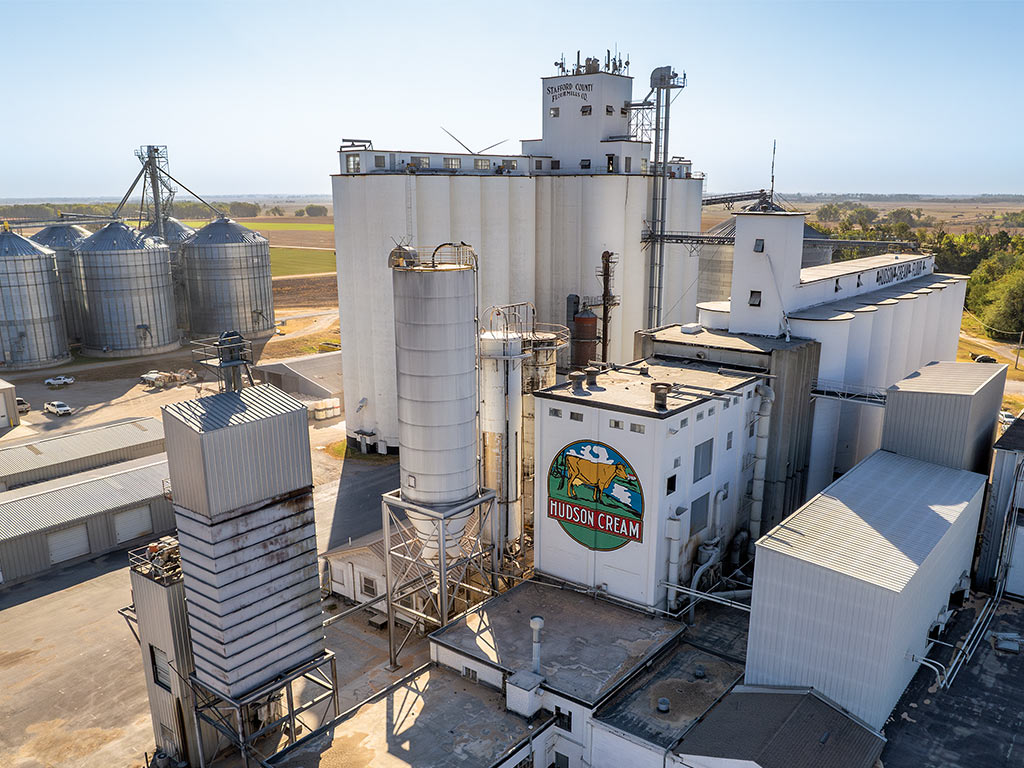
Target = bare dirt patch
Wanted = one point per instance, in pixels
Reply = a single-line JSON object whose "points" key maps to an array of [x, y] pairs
{"points": [[51, 743], [308, 291], [9, 659]]}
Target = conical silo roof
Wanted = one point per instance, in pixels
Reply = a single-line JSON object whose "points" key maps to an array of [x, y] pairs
{"points": [[13, 245], [174, 231], [117, 236], [224, 231], [61, 236]]}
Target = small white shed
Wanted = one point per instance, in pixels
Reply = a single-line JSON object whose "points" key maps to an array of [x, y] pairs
{"points": [[847, 588]]}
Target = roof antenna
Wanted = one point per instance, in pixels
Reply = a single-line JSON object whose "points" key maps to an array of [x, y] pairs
{"points": [[470, 151], [772, 195]]}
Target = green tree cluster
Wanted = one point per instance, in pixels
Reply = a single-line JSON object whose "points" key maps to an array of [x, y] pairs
{"points": [[316, 210], [241, 209]]}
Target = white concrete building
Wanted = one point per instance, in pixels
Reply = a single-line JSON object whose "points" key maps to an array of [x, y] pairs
{"points": [[877, 318], [539, 222], [626, 486]]}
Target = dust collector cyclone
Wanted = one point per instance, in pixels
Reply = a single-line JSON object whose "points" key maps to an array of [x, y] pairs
{"points": [[435, 349]]}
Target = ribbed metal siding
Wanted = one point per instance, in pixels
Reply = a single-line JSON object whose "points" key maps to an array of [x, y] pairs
{"points": [[176, 235], [237, 448], [32, 332], [124, 282], [229, 283], [62, 240], [1004, 470], [947, 415], [54, 457], [435, 338]]}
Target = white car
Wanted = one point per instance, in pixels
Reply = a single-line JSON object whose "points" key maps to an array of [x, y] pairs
{"points": [[57, 408], [59, 381], [1005, 417]]}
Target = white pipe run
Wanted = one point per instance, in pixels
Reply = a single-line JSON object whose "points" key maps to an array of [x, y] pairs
{"points": [[716, 555], [764, 413], [674, 534]]}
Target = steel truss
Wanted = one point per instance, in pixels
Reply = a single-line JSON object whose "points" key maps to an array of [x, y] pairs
{"points": [[233, 717], [448, 585]]}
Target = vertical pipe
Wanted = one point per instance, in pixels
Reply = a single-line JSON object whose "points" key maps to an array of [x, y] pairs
{"points": [[291, 711], [536, 624], [652, 292], [442, 565], [667, 102], [673, 532], [764, 412]]}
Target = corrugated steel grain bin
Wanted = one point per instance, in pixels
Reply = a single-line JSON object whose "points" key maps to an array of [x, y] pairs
{"points": [[234, 449], [848, 587], [946, 413], [62, 521]]}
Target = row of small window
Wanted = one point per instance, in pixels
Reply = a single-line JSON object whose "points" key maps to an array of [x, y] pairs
{"points": [[685, 422], [352, 163], [702, 457], [613, 423], [588, 109]]}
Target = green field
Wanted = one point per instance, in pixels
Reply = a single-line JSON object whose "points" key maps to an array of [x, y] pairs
{"points": [[272, 226], [300, 261]]}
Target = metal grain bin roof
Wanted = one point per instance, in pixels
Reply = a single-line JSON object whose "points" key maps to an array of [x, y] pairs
{"points": [[13, 245], [61, 236], [80, 496], [223, 231], [174, 231], [39, 454], [235, 449], [879, 521], [117, 236]]}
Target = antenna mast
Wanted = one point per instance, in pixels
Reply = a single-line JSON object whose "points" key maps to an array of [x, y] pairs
{"points": [[771, 197]]}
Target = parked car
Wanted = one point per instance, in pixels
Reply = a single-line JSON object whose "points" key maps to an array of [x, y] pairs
{"points": [[983, 358], [1005, 417], [59, 381], [57, 408]]}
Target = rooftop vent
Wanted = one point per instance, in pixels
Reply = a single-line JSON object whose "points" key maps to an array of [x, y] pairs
{"points": [[591, 373], [576, 380], [664, 705], [660, 390], [691, 328]]}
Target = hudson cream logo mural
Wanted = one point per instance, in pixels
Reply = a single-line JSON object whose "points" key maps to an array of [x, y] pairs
{"points": [[595, 496]]}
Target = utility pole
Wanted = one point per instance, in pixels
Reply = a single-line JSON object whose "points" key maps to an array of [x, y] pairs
{"points": [[1020, 342]]}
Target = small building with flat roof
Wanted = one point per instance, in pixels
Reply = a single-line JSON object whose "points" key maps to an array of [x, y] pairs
{"points": [[640, 466]]}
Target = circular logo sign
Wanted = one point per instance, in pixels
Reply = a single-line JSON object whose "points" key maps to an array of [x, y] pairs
{"points": [[595, 496]]}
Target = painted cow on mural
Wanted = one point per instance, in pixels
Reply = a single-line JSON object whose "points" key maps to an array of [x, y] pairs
{"points": [[591, 473]]}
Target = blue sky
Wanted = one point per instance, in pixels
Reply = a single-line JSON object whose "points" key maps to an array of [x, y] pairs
{"points": [[254, 97]]}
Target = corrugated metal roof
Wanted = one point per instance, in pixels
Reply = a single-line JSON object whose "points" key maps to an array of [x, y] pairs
{"points": [[118, 236], [63, 237], [782, 729], [950, 378], [55, 502], [225, 230], [37, 453], [1013, 438], [14, 245], [174, 230], [879, 521], [228, 409]]}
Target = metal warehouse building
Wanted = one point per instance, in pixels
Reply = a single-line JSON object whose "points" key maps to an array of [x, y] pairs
{"points": [[848, 589], [86, 515], [37, 459]]}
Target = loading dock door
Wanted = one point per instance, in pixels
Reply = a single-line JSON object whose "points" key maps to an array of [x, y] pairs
{"points": [[68, 543], [133, 523]]}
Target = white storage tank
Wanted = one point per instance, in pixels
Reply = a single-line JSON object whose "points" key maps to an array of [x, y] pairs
{"points": [[435, 353]]}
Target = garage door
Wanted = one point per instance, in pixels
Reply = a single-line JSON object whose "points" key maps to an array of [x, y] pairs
{"points": [[132, 523], [68, 543]]}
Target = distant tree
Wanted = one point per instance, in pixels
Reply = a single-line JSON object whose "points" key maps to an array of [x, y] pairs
{"points": [[240, 209], [277, 210], [828, 212], [316, 210], [300, 212], [862, 216], [1006, 312]]}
